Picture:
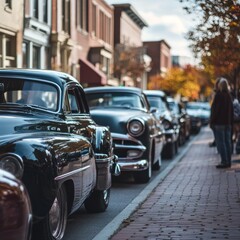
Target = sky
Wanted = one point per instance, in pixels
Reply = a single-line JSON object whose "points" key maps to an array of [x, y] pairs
{"points": [[166, 20]]}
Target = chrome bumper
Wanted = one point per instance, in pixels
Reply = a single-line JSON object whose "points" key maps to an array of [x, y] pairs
{"points": [[134, 165], [130, 152]]}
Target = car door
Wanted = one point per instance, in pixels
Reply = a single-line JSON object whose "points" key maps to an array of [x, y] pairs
{"points": [[80, 122]]}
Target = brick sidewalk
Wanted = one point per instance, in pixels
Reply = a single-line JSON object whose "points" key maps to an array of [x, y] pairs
{"points": [[195, 201]]}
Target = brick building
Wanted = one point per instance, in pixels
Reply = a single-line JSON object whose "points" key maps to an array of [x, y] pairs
{"points": [[128, 26], [160, 52], [11, 33]]}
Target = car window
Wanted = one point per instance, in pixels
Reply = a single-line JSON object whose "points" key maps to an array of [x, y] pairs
{"points": [[174, 107], [114, 99], [74, 102], [158, 103], [193, 106], [23, 91]]}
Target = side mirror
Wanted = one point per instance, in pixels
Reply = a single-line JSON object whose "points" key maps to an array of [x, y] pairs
{"points": [[153, 109]]}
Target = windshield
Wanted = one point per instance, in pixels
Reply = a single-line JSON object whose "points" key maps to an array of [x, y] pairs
{"points": [[22, 91], [158, 103], [114, 99], [194, 106], [174, 107], [198, 106]]}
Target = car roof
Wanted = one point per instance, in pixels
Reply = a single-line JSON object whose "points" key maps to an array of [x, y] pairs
{"points": [[54, 76], [113, 89], [154, 93]]}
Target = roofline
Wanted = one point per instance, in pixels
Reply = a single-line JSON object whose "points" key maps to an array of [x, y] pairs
{"points": [[113, 88], [132, 13], [158, 41]]}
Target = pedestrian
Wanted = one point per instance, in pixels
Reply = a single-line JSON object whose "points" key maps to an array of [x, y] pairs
{"points": [[221, 120], [236, 119], [213, 143]]}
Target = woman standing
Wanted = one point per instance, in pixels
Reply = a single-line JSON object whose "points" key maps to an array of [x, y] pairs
{"points": [[221, 121]]}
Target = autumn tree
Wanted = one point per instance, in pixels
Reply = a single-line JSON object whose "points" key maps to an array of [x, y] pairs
{"points": [[189, 82], [215, 37], [129, 61]]}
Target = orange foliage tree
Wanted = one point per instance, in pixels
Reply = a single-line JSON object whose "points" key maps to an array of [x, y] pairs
{"points": [[216, 36], [189, 82]]}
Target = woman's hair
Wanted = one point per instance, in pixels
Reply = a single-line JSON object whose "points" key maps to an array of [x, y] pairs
{"points": [[223, 85], [216, 88]]}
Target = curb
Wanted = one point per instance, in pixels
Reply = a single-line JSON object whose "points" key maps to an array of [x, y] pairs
{"points": [[114, 225]]}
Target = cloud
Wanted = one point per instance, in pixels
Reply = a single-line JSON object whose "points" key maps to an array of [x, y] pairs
{"points": [[178, 44], [166, 20], [173, 23]]}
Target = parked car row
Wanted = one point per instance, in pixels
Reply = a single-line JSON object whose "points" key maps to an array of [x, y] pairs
{"points": [[64, 144], [199, 113], [138, 136], [63, 158], [159, 105]]}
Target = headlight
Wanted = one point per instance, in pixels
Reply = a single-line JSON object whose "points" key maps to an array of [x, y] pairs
{"points": [[167, 125], [136, 127], [13, 164]]}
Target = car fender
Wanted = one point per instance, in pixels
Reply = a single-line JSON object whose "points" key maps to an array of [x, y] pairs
{"points": [[45, 158], [104, 157]]}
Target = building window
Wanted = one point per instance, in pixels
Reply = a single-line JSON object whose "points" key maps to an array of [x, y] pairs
{"points": [[10, 47], [35, 9], [7, 51], [47, 50], [45, 11], [8, 4], [101, 24], [66, 16], [82, 18], [108, 30], [36, 57], [24, 55], [105, 62], [94, 20]]}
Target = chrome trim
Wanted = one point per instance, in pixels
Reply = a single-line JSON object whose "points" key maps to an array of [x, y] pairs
{"points": [[134, 165], [65, 175], [105, 160], [18, 159], [136, 119], [141, 148]]}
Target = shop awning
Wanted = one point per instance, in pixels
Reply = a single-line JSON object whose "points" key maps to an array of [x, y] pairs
{"points": [[90, 76]]}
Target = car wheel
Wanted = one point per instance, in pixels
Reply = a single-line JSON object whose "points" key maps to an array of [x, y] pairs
{"points": [[144, 176], [169, 151], [54, 225], [98, 201], [157, 165], [176, 146]]}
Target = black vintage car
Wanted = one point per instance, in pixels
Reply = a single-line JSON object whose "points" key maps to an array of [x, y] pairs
{"points": [[49, 141], [15, 209], [179, 112], [137, 135], [158, 101]]}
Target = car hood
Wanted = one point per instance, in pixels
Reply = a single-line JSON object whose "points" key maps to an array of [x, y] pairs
{"points": [[116, 119], [21, 123]]}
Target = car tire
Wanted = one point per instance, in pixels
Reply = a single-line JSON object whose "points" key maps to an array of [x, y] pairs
{"points": [[98, 201], [54, 225], [169, 151], [157, 165], [176, 146]]}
